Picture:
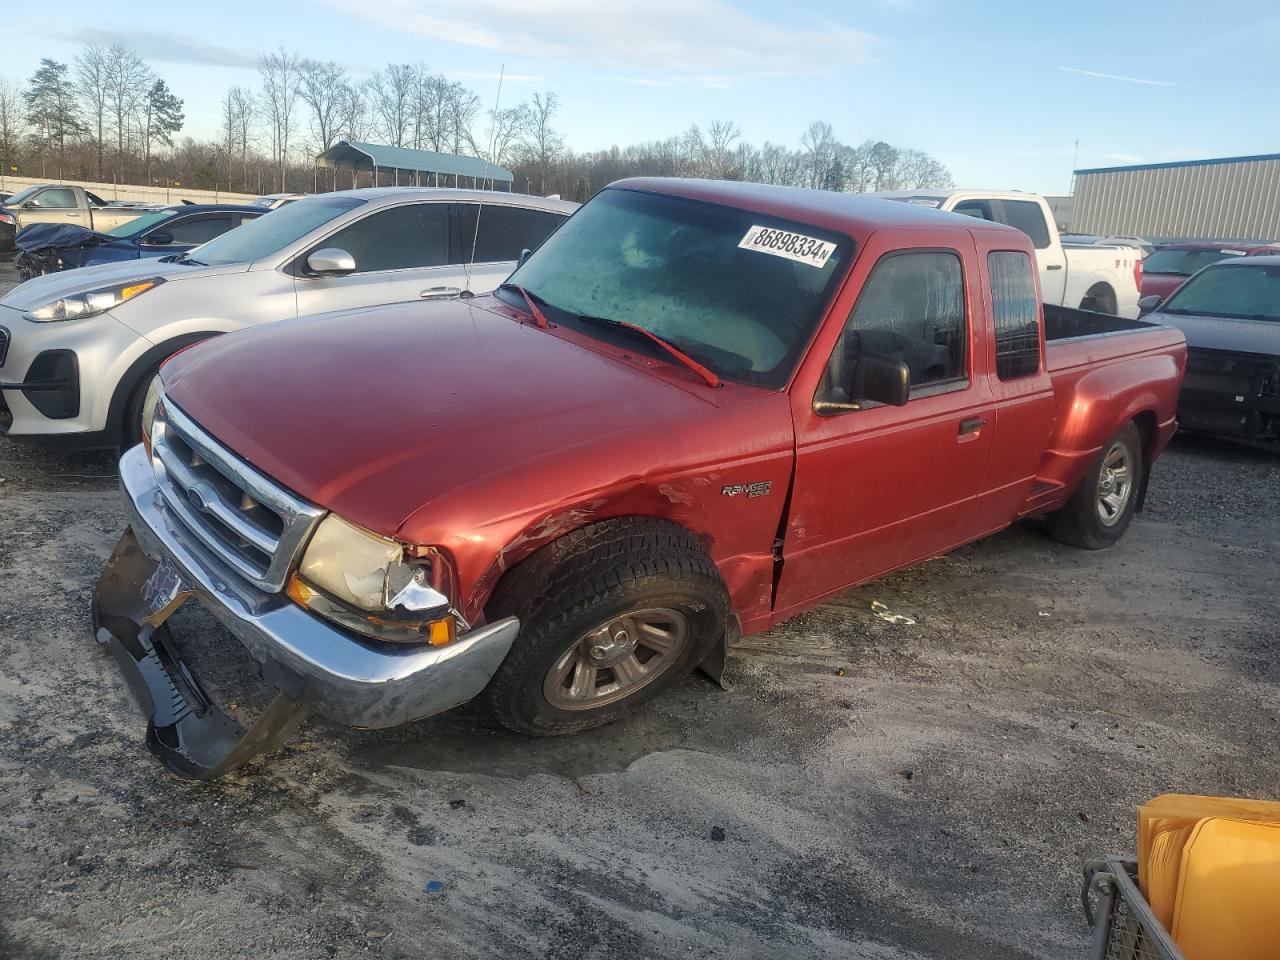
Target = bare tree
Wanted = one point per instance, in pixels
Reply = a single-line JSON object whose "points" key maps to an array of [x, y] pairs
{"points": [[392, 94], [818, 142], [128, 80], [281, 81], [542, 143], [462, 107], [323, 88], [93, 80], [916, 170], [507, 127], [239, 111], [12, 125], [717, 148]]}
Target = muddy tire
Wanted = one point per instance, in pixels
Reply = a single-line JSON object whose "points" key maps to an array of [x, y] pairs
{"points": [[610, 617], [1099, 512]]}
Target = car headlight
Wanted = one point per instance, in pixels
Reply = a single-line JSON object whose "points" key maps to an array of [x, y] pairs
{"points": [[150, 406], [372, 585], [92, 302]]}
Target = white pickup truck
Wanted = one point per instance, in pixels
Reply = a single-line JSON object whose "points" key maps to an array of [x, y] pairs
{"points": [[1102, 277]]}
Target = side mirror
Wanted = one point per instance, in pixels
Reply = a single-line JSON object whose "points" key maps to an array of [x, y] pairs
{"points": [[331, 262], [524, 255], [160, 239], [880, 379], [1147, 304], [30, 205]]}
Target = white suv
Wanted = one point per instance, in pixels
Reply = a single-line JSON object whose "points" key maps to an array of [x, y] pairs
{"points": [[78, 348]]}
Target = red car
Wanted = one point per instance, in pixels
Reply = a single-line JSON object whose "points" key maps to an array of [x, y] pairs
{"points": [[1169, 265], [696, 410]]}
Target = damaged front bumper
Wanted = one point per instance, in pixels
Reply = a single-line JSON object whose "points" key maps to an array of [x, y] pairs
{"points": [[313, 665]]}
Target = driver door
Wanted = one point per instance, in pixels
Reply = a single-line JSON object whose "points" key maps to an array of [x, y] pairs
{"points": [[401, 254], [878, 487]]}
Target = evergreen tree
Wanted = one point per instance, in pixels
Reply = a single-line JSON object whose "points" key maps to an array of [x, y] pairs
{"points": [[51, 107], [163, 118]]}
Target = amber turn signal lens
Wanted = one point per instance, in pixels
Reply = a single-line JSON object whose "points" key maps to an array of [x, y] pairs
{"points": [[443, 632], [131, 291]]}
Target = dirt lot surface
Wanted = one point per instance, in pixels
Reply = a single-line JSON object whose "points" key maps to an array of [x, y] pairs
{"points": [[868, 790]]}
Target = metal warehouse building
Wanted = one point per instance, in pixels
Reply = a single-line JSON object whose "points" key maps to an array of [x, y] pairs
{"points": [[1232, 198]]}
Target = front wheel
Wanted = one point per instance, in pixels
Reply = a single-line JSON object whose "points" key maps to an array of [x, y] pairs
{"points": [[609, 619], [1100, 510]]}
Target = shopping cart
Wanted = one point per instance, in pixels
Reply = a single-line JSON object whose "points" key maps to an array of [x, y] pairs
{"points": [[1124, 928]]}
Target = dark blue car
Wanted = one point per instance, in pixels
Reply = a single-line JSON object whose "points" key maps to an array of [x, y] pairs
{"points": [[48, 247]]}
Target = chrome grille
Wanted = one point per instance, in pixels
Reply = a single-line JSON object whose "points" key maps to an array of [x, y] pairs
{"points": [[249, 522], [4, 345]]}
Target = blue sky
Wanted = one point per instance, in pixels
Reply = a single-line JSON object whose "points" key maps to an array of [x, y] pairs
{"points": [[1000, 96]]}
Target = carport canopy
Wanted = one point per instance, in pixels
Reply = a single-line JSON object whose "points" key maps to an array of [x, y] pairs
{"points": [[373, 157]]}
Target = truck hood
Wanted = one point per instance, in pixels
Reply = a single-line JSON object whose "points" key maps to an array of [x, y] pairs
{"points": [[375, 413], [1220, 333], [41, 290]]}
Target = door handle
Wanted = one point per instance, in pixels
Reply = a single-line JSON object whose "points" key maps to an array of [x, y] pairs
{"points": [[439, 293], [1054, 266], [972, 425]]}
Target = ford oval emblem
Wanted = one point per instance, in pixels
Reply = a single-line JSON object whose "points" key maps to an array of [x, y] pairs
{"points": [[197, 499]]}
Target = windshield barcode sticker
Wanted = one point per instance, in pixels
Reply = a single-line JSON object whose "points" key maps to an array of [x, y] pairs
{"points": [[793, 246]]}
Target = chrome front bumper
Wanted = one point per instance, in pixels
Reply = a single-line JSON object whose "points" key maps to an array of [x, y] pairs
{"points": [[313, 665]]}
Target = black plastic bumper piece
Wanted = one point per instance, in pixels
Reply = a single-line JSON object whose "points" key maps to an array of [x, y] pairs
{"points": [[190, 734]]}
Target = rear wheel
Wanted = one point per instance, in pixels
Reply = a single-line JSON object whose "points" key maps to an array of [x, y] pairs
{"points": [[1100, 510], [610, 617], [1100, 298]]}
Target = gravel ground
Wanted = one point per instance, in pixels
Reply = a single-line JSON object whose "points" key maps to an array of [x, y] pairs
{"points": [[868, 790]]}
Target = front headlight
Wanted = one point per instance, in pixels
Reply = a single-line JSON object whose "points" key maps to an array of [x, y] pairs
{"points": [[150, 405], [369, 584], [93, 302]]}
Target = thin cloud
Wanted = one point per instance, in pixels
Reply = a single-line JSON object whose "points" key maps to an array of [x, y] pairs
{"points": [[1116, 76], [665, 37], [494, 75], [160, 46]]}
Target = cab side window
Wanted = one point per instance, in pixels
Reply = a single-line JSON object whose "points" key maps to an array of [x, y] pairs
{"points": [[58, 199], [911, 309], [503, 231], [197, 230], [401, 238], [1027, 216], [1016, 314]]}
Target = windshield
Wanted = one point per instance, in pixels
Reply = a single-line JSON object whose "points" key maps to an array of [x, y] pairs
{"points": [[1237, 292], [22, 196], [139, 224], [1183, 263], [273, 231], [739, 292]]}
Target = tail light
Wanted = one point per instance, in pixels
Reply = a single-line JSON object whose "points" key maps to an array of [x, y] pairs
{"points": [[1137, 271], [8, 218]]}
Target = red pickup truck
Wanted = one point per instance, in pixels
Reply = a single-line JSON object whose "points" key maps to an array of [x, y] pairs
{"points": [[696, 410]]}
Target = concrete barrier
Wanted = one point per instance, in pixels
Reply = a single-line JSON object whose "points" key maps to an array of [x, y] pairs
{"points": [[129, 191]]}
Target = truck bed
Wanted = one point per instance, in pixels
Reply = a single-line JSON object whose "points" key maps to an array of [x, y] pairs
{"points": [[1104, 369], [1075, 338]]}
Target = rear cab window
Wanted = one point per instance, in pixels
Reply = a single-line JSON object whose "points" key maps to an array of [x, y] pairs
{"points": [[1016, 314]]}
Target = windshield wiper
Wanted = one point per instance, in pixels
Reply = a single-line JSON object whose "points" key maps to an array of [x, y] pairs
{"points": [[183, 259], [539, 317], [672, 349]]}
